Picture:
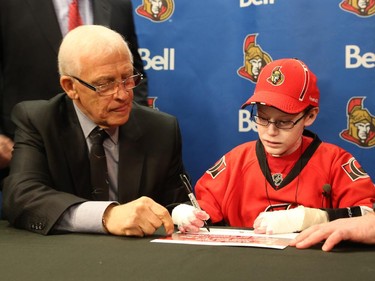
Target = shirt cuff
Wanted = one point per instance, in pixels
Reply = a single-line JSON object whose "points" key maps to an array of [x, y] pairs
{"points": [[85, 217]]}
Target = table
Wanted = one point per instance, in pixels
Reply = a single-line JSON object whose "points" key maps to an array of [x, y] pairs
{"points": [[28, 256]]}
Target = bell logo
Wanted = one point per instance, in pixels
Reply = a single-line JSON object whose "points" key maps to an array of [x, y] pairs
{"points": [[247, 3], [244, 122], [163, 62], [353, 58]]}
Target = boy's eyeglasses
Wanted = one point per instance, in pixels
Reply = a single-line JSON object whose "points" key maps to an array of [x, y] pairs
{"points": [[278, 123]]}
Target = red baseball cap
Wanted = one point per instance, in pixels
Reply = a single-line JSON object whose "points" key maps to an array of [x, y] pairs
{"points": [[286, 84]]}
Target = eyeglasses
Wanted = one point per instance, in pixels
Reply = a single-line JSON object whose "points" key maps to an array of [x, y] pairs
{"points": [[112, 88], [278, 123]]}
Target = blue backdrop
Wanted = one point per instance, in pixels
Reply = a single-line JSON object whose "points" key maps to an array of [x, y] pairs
{"points": [[195, 53]]}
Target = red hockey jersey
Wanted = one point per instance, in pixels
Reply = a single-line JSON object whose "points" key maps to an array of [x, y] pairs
{"points": [[245, 181]]}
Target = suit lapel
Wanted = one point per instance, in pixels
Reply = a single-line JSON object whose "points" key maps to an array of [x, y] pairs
{"points": [[102, 12], [131, 155], [45, 16], [131, 161], [75, 149]]}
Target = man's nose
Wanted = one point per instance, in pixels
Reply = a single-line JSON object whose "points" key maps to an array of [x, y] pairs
{"points": [[122, 93]]}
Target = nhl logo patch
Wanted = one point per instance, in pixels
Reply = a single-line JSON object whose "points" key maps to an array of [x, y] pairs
{"points": [[277, 179]]}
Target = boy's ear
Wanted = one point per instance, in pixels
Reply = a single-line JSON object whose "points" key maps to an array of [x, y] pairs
{"points": [[312, 116]]}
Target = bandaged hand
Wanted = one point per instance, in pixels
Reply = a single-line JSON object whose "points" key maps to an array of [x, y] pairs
{"points": [[188, 218], [287, 221]]}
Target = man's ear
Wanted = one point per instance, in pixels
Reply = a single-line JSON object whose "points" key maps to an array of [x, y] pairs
{"points": [[67, 84], [311, 116]]}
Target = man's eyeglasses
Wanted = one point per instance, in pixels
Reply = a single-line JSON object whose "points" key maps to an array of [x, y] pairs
{"points": [[112, 88], [278, 123]]}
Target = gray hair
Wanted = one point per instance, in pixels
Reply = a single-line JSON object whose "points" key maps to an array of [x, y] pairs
{"points": [[88, 41]]}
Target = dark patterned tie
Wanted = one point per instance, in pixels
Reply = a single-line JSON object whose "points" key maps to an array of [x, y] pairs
{"points": [[74, 17], [98, 165]]}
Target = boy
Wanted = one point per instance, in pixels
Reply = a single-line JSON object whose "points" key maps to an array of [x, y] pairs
{"points": [[287, 180]]}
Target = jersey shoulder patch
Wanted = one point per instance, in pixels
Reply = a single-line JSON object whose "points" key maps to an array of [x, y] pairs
{"points": [[216, 169], [354, 170]]}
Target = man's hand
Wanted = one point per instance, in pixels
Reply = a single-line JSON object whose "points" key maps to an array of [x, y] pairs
{"points": [[188, 218], [357, 229], [6, 148], [137, 218]]}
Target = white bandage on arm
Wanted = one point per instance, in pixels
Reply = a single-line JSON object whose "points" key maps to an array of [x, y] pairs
{"points": [[285, 221], [313, 216], [183, 214], [292, 220], [365, 210]]}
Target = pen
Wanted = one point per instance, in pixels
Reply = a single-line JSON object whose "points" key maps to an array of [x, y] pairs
{"points": [[190, 193]]}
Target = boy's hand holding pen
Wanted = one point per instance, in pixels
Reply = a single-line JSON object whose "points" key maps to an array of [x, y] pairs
{"points": [[189, 218]]}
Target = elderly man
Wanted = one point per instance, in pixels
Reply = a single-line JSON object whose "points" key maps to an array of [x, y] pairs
{"points": [[43, 25], [52, 186]]}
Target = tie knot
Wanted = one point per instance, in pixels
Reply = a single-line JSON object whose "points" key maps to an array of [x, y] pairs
{"points": [[98, 136]]}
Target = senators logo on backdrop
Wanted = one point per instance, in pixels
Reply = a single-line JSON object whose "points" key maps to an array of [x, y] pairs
{"points": [[152, 102], [254, 59], [362, 8], [361, 124], [156, 10]]}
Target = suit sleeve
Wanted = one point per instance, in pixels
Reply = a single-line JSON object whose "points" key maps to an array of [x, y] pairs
{"points": [[29, 199]]}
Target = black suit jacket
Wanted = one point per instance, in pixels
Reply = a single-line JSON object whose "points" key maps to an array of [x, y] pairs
{"points": [[50, 166], [30, 37]]}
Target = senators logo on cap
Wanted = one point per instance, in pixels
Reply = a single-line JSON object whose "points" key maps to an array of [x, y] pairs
{"points": [[277, 77]]}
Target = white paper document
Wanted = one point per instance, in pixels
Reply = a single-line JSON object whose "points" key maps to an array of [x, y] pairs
{"points": [[229, 237]]}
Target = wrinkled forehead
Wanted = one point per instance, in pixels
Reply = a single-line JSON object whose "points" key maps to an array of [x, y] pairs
{"points": [[106, 64], [115, 54]]}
